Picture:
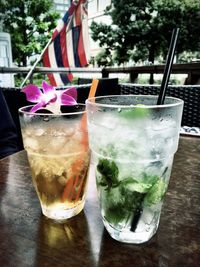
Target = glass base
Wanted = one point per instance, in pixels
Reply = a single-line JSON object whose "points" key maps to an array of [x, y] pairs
{"points": [[60, 212], [128, 236]]}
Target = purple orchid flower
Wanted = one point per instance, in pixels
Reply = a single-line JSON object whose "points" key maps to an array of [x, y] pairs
{"points": [[49, 96]]}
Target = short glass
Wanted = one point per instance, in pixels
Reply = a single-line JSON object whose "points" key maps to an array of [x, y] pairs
{"points": [[59, 156], [133, 142]]}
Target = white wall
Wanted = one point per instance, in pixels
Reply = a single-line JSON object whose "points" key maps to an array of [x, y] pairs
{"points": [[6, 80], [96, 13]]}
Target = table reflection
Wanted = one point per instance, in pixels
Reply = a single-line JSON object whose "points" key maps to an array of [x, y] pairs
{"points": [[67, 241]]}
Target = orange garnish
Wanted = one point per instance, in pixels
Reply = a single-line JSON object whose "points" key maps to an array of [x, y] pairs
{"points": [[79, 163]]}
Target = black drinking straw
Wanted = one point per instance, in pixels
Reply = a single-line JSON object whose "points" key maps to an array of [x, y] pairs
{"points": [[168, 66]]}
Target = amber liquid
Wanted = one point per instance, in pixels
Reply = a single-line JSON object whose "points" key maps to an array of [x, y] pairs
{"points": [[60, 182]]}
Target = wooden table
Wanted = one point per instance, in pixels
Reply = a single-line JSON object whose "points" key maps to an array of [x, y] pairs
{"points": [[27, 238]]}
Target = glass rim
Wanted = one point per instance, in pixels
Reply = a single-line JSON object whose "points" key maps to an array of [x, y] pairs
{"points": [[91, 101], [78, 112]]}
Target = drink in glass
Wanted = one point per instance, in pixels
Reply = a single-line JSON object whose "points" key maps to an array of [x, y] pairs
{"points": [[58, 154], [133, 142]]}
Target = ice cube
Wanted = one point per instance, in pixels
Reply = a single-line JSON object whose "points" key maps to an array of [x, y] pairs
{"points": [[62, 180], [57, 143], [31, 143], [108, 121], [145, 219], [39, 132]]}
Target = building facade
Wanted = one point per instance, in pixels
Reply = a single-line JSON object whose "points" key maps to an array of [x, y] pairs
{"points": [[61, 6], [95, 13], [6, 80], [95, 7]]}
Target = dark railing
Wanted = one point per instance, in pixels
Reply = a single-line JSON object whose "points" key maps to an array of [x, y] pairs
{"points": [[107, 86], [192, 70]]}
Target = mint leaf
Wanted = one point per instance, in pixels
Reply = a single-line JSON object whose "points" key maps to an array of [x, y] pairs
{"points": [[150, 179], [135, 113], [132, 199], [121, 210], [115, 213], [133, 194], [134, 185], [109, 173], [156, 193]]}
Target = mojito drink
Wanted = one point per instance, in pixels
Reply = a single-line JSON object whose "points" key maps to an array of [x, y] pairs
{"points": [[59, 158], [133, 149]]}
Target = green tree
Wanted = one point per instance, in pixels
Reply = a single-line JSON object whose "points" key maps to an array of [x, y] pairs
{"points": [[180, 13], [141, 29], [30, 24]]}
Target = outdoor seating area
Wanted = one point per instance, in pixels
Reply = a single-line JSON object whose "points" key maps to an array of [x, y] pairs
{"points": [[99, 133], [29, 239], [190, 94]]}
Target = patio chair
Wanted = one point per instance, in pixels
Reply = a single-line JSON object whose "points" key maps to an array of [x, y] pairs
{"points": [[190, 94], [15, 99]]}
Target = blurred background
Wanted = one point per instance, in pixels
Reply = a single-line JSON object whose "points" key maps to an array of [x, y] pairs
{"points": [[122, 33]]}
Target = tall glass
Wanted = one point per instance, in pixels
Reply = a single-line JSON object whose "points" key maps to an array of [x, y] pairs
{"points": [[58, 154], [133, 142]]}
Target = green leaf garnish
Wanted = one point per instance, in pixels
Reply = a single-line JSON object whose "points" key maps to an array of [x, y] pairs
{"points": [[137, 112], [156, 193], [134, 185], [109, 173], [132, 194], [149, 179], [122, 209]]}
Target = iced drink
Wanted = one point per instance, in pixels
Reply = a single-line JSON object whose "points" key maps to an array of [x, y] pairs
{"points": [[133, 142], [58, 155]]}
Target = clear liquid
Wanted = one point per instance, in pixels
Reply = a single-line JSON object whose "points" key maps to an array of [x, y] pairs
{"points": [[133, 165], [131, 205]]}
